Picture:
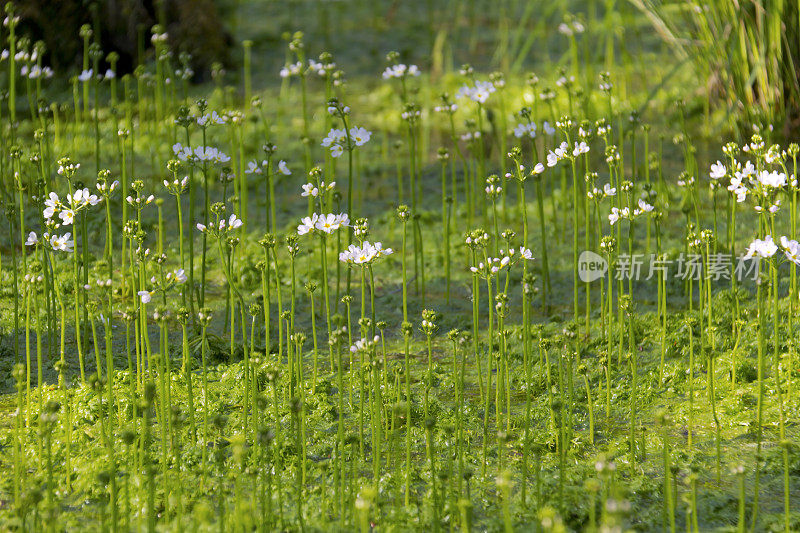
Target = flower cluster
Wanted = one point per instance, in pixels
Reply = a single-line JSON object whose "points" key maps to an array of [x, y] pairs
{"points": [[62, 243], [525, 129], [643, 208], [66, 212], [35, 72], [476, 238], [201, 153], [139, 202], [338, 140], [171, 278], [479, 92], [400, 71], [176, 186], [364, 345], [364, 254], [86, 75], [323, 67], [428, 325], [292, 69], [210, 118], [597, 194], [493, 188], [494, 265], [323, 223], [103, 186], [763, 248], [766, 248], [309, 189], [618, 214], [562, 152], [571, 28], [222, 226], [746, 178], [67, 168], [446, 106]]}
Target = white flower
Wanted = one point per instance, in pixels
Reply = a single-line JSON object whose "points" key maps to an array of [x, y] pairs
{"points": [[493, 190], [83, 196], [479, 93], [105, 187], [32, 239], [292, 69], [213, 117], [283, 169], [327, 223], [146, 296], [580, 148], [737, 188], [736, 182], [557, 154], [307, 224], [62, 243], [364, 254], [395, 71], [336, 150], [608, 190], [85, 75], [67, 216], [360, 136], [234, 222], [749, 169], [772, 179], [184, 153], [644, 207], [209, 153], [524, 129], [342, 220], [618, 214], [548, 129], [310, 190], [253, 167], [335, 136], [525, 253], [320, 68], [538, 169], [791, 249], [52, 204], [718, 171], [482, 91], [381, 250], [180, 276], [761, 248], [91, 199], [201, 227]]}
